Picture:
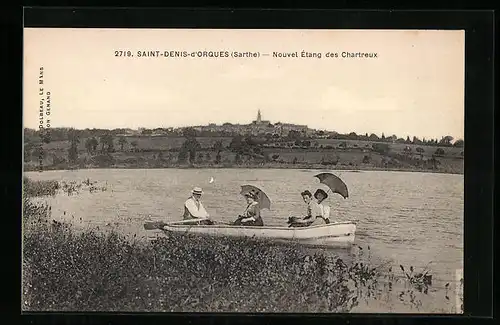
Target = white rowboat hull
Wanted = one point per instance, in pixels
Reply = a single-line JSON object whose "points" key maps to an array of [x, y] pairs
{"points": [[327, 234]]}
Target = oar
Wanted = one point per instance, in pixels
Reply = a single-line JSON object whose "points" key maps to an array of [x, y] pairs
{"points": [[152, 225]]}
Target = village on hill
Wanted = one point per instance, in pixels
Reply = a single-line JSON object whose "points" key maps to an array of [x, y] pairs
{"points": [[259, 143]]}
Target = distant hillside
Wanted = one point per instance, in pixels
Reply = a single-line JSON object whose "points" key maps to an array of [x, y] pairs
{"points": [[107, 150]]}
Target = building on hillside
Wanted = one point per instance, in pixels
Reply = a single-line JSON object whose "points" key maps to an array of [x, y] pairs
{"points": [[258, 121], [284, 128], [127, 133], [281, 129], [256, 127]]}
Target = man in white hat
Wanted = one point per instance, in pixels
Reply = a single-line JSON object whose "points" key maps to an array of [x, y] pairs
{"points": [[193, 208]]}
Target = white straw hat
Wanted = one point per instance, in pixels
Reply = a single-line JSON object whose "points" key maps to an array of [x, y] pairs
{"points": [[197, 190]]}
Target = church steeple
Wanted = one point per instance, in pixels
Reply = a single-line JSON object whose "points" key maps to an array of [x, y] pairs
{"points": [[259, 117]]}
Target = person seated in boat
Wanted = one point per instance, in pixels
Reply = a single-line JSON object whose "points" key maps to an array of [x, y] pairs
{"points": [[312, 212], [194, 209], [251, 216], [315, 212], [321, 196]]}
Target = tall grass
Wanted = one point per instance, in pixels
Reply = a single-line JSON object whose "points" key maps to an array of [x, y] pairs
{"points": [[90, 271], [39, 188], [65, 270]]}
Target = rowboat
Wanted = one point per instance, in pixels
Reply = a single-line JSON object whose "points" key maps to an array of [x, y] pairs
{"points": [[335, 233]]}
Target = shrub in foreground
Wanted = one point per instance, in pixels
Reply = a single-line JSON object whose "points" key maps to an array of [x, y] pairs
{"points": [[39, 188], [92, 271]]}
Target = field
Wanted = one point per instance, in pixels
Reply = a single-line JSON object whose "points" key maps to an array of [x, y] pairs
{"points": [[166, 143], [160, 151], [144, 142]]}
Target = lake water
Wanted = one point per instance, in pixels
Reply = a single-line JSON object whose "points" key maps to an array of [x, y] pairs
{"points": [[407, 218]]}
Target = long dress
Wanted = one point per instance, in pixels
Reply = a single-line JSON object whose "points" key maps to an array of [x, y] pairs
{"points": [[316, 214], [325, 213], [252, 211]]}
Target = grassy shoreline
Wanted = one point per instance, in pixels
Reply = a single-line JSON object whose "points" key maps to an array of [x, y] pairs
{"points": [[165, 152]]}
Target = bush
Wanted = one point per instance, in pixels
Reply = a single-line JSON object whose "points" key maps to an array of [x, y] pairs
{"points": [[39, 188], [439, 152], [381, 148], [35, 214], [238, 159], [218, 158], [105, 272], [103, 160]]}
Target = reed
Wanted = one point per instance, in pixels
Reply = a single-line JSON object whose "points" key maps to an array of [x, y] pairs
{"points": [[39, 188]]}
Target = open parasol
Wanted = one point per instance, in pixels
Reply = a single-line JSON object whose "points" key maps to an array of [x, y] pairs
{"points": [[335, 184], [262, 198]]}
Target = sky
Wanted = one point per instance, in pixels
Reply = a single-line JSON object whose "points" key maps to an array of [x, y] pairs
{"points": [[415, 86]]}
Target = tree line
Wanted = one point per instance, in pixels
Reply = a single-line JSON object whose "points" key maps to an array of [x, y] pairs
{"points": [[65, 134], [245, 148]]}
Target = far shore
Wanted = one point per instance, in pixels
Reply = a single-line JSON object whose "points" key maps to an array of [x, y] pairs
{"points": [[233, 153], [28, 168]]}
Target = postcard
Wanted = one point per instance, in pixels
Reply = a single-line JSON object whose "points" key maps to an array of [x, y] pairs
{"points": [[240, 170]]}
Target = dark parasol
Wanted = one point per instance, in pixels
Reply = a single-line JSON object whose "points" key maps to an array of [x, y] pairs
{"points": [[262, 198], [335, 184]]}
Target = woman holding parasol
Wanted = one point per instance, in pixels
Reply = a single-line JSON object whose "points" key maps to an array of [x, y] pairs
{"points": [[324, 209], [318, 210], [335, 185], [257, 200]]}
